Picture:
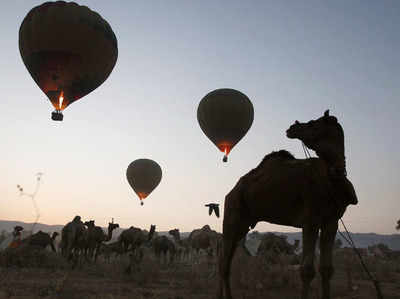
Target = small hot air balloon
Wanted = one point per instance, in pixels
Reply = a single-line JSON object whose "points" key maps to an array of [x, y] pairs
{"points": [[225, 115], [68, 49], [143, 175]]}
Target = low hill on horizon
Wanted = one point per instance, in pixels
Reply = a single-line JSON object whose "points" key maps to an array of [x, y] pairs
{"points": [[362, 240]]}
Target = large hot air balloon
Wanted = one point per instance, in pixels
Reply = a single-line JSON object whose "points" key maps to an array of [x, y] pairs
{"points": [[143, 175], [225, 115], [68, 49]]}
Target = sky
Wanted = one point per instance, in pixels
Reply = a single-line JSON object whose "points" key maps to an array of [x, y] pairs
{"points": [[293, 59]]}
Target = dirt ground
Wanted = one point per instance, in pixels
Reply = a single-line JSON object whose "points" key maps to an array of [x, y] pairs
{"points": [[51, 277]]}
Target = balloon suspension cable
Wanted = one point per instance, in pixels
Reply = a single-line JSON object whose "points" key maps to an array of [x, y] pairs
{"points": [[32, 196], [350, 241]]}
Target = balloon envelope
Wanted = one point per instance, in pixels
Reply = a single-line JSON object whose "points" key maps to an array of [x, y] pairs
{"points": [[143, 175], [225, 115], [68, 49]]}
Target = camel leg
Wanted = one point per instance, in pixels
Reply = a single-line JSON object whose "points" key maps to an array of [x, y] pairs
{"points": [[328, 234], [307, 272], [69, 247], [195, 256], [231, 237], [96, 252], [90, 253]]}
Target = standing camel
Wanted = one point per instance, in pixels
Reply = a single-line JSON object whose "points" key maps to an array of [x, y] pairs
{"points": [[182, 245], [134, 237], [272, 247], [204, 239], [71, 237], [96, 237], [110, 248], [164, 249], [311, 194]]}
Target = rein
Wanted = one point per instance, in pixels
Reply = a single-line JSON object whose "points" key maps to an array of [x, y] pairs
{"points": [[349, 239]]}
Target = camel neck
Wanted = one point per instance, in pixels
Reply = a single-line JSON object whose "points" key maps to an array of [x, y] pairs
{"points": [[177, 238], [150, 235], [109, 235], [336, 164]]}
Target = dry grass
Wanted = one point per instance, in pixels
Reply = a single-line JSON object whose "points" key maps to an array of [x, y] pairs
{"points": [[31, 257], [43, 274]]}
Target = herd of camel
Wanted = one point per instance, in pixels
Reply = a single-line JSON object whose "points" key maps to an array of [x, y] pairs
{"points": [[84, 239], [87, 240], [311, 194]]}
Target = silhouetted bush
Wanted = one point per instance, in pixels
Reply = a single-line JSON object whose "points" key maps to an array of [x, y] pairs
{"points": [[30, 257]]}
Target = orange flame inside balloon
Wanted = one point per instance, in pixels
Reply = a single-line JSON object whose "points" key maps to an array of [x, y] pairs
{"points": [[60, 100], [142, 195], [225, 147]]}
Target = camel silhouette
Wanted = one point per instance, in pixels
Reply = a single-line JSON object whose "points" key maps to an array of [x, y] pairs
{"points": [[311, 194], [40, 239]]}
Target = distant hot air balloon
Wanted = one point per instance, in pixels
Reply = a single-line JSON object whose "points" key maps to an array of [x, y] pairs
{"points": [[143, 175], [68, 49], [225, 115]]}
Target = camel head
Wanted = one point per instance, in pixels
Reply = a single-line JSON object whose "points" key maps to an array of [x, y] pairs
{"points": [[89, 224], [151, 232], [54, 236], [175, 233], [112, 226], [77, 219], [323, 135]]}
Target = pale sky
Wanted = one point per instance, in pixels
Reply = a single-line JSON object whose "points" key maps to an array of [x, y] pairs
{"points": [[293, 59]]}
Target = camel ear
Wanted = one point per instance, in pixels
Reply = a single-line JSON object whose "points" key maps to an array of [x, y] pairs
{"points": [[326, 114]]}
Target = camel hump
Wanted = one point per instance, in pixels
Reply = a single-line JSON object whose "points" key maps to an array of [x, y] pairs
{"points": [[282, 154]]}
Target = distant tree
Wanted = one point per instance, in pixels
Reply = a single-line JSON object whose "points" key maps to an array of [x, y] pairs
{"points": [[398, 225]]}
